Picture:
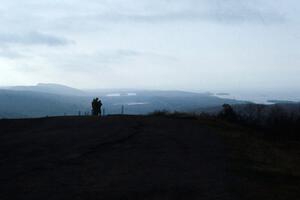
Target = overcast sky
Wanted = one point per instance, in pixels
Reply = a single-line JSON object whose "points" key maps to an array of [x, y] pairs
{"points": [[157, 44]]}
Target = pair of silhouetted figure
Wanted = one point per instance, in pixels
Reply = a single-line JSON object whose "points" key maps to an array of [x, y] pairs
{"points": [[96, 107]]}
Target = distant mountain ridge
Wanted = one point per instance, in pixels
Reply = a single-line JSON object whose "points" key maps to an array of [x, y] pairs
{"points": [[50, 88], [56, 100], [19, 104]]}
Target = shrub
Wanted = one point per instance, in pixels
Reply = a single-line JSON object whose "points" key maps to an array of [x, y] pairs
{"points": [[160, 113]]}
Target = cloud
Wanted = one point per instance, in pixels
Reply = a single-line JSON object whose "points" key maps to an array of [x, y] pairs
{"points": [[70, 16], [32, 38], [116, 56], [142, 39], [217, 16], [9, 54], [87, 62], [217, 11], [100, 61]]}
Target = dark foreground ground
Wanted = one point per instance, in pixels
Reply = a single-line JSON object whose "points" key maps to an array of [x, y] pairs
{"points": [[130, 157]]}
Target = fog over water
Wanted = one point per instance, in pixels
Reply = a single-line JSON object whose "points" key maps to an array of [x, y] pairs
{"points": [[264, 97]]}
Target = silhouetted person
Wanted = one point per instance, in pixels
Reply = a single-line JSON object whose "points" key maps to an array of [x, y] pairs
{"points": [[96, 107]]}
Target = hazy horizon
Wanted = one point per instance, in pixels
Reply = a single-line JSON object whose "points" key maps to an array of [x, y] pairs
{"points": [[204, 45], [263, 96]]}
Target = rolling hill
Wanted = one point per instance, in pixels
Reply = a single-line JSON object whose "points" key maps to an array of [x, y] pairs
{"points": [[57, 100]]}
